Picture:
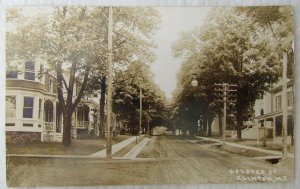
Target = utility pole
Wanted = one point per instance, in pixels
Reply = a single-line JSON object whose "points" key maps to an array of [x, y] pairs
{"points": [[148, 125], [284, 105], [225, 97], [225, 111], [109, 88], [140, 124]]}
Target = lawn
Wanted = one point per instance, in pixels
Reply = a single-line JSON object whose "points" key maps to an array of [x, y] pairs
{"points": [[78, 147]]}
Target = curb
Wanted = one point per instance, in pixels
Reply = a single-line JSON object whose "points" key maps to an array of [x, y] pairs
{"points": [[273, 152]]}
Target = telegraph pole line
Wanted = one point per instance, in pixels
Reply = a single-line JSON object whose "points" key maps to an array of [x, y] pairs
{"points": [[109, 88], [225, 98]]}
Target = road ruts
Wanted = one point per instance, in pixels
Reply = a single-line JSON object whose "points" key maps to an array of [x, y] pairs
{"points": [[188, 162]]}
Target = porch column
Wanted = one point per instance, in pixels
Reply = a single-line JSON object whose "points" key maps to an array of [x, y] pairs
{"points": [[42, 117], [256, 123], [76, 121], [90, 118], [19, 110], [265, 134], [274, 130], [74, 130], [42, 110], [54, 115], [62, 123], [35, 115]]}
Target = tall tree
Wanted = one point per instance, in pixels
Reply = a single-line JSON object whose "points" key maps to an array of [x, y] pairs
{"points": [[73, 41], [132, 40]]}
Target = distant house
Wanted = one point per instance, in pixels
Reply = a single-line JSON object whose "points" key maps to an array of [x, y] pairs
{"points": [[32, 108]]}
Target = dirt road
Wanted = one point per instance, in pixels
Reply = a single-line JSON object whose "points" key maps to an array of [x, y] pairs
{"points": [[193, 161], [164, 160]]}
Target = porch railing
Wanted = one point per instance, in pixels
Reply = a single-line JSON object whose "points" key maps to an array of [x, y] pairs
{"points": [[49, 126], [83, 124]]}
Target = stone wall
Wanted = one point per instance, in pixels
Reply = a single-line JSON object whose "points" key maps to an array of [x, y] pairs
{"points": [[17, 137]]}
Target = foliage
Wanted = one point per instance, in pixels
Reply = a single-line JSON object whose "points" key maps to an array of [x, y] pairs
{"points": [[126, 98], [73, 41], [230, 47]]}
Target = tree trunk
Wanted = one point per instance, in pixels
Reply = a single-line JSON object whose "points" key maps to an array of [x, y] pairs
{"points": [[209, 122], [132, 123], [102, 104], [67, 124], [204, 124], [220, 123]]}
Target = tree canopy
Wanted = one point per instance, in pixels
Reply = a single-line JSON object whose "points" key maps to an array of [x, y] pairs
{"points": [[230, 47], [126, 103], [73, 40]]}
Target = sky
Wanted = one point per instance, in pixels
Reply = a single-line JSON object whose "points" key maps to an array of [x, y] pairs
{"points": [[174, 20]]}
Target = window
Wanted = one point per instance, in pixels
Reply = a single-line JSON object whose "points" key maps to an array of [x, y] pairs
{"points": [[290, 99], [278, 105], [29, 71], [28, 107], [12, 74], [10, 104], [40, 108]]}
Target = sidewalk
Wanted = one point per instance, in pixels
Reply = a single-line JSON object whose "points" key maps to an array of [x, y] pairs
{"points": [[273, 152], [115, 147], [134, 152], [51, 156]]}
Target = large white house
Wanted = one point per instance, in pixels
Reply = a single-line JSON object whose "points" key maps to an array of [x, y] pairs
{"points": [[267, 120], [32, 109], [268, 113]]}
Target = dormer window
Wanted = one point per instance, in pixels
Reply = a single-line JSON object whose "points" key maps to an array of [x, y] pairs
{"points": [[29, 71]]}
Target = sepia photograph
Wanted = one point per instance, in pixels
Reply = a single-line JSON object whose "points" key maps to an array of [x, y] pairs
{"points": [[148, 95]]}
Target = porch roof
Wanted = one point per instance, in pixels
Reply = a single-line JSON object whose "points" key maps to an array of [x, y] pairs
{"points": [[272, 114]]}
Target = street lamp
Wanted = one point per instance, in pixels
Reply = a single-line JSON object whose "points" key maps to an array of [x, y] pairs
{"points": [[194, 83]]}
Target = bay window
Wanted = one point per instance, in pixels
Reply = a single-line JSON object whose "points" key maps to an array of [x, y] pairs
{"points": [[10, 104], [28, 107]]}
